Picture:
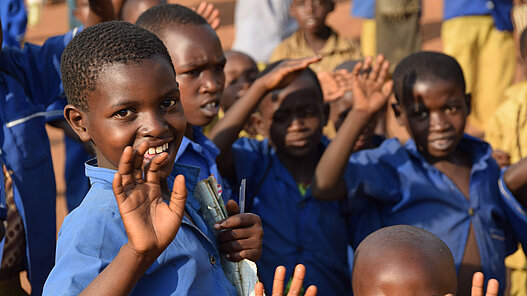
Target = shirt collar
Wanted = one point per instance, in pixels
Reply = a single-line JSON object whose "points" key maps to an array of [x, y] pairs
{"points": [[200, 144], [478, 149]]}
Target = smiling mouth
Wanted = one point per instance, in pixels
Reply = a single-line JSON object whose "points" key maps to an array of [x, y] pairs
{"points": [[153, 151], [442, 143]]}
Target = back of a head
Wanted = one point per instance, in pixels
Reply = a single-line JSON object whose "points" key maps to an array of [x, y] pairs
{"points": [[403, 260], [425, 66], [132, 9], [158, 18], [102, 45]]}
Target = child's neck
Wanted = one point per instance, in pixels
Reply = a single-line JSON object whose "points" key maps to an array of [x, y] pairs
{"points": [[457, 167], [300, 168], [317, 40]]}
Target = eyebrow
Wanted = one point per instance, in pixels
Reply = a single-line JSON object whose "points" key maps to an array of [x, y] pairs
{"points": [[170, 92]]}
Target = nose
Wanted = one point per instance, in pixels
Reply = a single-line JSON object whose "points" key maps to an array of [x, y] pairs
{"points": [[153, 125], [438, 122], [297, 124], [212, 81]]}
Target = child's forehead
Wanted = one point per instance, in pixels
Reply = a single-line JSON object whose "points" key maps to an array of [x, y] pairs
{"points": [[434, 90]]}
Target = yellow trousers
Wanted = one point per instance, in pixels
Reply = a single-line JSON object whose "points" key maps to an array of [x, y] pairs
{"points": [[487, 57], [368, 38]]}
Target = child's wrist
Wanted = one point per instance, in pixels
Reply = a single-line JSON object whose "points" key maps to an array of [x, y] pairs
{"points": [[141, 258]]}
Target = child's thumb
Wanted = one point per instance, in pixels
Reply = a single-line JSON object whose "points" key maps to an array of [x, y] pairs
{"points": [[178, 196]]}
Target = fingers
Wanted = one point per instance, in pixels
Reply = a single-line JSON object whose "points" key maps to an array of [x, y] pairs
{"points": [[311, 291], [118, 189], [178, 197], [238, 221], [126, 167], [232, 207], [210, 13], [138, 162], [298, 279], [493, 287], [278, 282], [259, 289], [477, 284], [152, 172]]}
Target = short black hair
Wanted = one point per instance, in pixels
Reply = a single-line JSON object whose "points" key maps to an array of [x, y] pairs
{"points": [[422, 66], [523, 43], [102, 45], [158, 18]]}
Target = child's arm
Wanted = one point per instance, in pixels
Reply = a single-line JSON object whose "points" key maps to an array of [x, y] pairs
{"points": [[241, 235], [296, 283], [369, 97], [226, 131], [516, 180], [150, 223]]}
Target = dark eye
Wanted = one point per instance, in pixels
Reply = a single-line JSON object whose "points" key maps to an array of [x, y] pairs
{"points": [[451, 108], [168, 104], [420, 114], [193, 73], [123, 113], [280, 116], [308, 112]]}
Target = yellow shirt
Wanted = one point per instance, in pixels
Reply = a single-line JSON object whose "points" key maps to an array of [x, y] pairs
{"points": [[336, 51], [507, 128]]}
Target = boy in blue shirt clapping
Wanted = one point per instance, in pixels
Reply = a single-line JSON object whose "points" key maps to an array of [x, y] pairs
{"points": [[441, 180]]}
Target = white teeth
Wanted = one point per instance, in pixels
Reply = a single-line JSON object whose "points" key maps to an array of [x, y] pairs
{"points": [[158, 149], [211, 105]]}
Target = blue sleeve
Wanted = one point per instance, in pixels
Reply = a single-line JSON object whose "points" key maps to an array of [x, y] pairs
{"points": [[37, 68], [88, 241], [516, 213], [14, 20], [3, 207], [374, 173]]}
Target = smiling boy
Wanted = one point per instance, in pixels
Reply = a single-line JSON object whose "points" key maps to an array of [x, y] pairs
{"points": [[122, 91], [441, 180]]}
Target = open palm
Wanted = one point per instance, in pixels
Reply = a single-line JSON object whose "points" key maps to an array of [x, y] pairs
{"points": [[370, 93], [150, 223]]}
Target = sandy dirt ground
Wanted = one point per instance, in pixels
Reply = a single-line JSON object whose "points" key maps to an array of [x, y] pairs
{"points": [[54, 21]]}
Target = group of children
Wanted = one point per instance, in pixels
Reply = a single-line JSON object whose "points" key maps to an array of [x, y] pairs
{"points": [[142, 96]]}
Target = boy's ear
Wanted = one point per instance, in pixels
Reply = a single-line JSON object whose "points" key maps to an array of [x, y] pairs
{"points": [[77, 120], [397, 111], [468, 102]]}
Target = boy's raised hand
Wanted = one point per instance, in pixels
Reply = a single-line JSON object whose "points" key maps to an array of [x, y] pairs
{"points": [[150, 223], [209, 12], [296, 283], [286, 72], [240, 235], [370, 93], [478, 283]]}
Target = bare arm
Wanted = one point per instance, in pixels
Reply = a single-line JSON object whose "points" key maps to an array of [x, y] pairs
{"points": [[369, 97], [516, 179], [226, 131], [150, 223]]}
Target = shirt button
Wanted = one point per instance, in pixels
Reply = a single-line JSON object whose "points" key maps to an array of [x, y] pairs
{"points": [[212, 260], [490, 5], [471, 212]]}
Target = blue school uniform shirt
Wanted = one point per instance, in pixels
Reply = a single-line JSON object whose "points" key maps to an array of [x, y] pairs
{"points": [[93, 233], [202, 153], [297, 229], [29, 83], [499, 9], [14, 20], [394, 184]]}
